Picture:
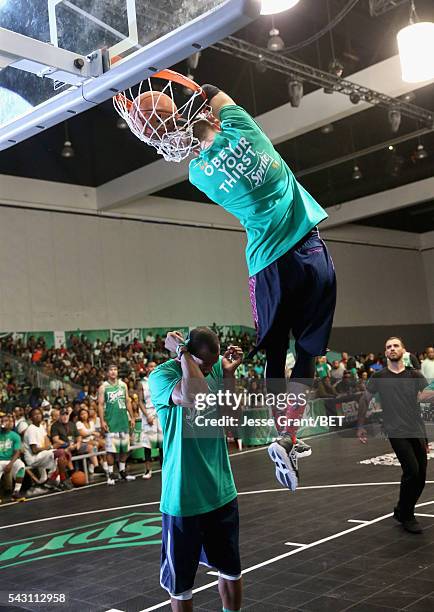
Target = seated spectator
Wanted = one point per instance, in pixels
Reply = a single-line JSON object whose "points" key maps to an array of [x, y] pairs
{"points": [[325, 388], [65, 435], [428, 364], [347, 385], [90, 438], [10, 453], [39, 452]]}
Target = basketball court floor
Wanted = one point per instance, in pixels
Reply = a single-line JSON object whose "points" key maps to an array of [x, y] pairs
{"points": [[333, 545]]}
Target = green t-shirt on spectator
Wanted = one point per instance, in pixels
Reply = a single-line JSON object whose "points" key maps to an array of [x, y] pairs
{"points": [[322, 370], [196, 472], [10, 442]]}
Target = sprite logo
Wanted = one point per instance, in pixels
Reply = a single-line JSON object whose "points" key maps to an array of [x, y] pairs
{"points": [[135, 529]]}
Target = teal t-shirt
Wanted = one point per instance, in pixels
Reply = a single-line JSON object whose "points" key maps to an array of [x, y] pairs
{"points": [[196, 473], [10, 442], [243, 173]]}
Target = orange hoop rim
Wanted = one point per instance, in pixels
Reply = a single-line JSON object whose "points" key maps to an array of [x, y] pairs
{"points": [[167, 75]]}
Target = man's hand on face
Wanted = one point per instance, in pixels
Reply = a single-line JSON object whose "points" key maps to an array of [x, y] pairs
{"points": [[232, 359], [173, 339]]}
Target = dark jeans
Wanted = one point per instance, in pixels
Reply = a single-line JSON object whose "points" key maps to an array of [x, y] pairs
{"points": [[411, 453]]}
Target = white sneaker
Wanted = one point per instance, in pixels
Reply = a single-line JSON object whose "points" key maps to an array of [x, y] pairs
{"points": [[125, 476], [111, 480], [148, 475]]}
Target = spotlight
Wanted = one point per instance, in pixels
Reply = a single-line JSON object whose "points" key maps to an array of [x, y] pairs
{"points": [[270, 7], [394, 117], [327, 129], [420, 152], [357, 174], [295, 90], [67, 151], [395, 165], [409, 97], [336, 67], [260, 65], [193, 61], [354, 97], [391, 148], [275, 42], [121, 124]]}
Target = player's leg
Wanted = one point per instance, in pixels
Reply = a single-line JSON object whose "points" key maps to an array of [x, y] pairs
{"points": [[308, 287], [124, 449], [180, 552], [112, 448], [220, 530], [18, 471], [410, 483], [148, 463]]}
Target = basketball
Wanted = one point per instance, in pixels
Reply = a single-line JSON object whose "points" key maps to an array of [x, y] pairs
{"points": [[154, 109], [78, 479]]}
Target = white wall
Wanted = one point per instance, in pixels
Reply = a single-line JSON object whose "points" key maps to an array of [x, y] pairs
{"points": [[66, 271]]}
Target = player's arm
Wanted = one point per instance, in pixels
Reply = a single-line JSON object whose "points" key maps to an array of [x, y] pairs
{"points": [[142, 406], [129, 405], [192, 381], [427, 394], [101, 408], [217, 99]]}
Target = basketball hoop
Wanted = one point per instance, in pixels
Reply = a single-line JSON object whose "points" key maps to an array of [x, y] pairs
{"points": [[159, 117]]}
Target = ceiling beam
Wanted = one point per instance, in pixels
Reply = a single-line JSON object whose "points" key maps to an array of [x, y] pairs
{"points": [[280, 124], [378, 203]]}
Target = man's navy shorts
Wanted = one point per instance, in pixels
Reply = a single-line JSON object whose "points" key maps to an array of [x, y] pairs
{"points": [[296, 293], [211, 539]]}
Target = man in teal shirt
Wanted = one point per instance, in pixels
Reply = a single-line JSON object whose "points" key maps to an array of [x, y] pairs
{"points": [[291, 275], [10, 452], [198, 499]]}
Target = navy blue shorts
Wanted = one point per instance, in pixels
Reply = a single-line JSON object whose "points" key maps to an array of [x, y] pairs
{"points": [[211, 539], [296, 293]]}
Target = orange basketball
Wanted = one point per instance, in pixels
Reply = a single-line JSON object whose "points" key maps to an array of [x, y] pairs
{"points": [[78, 479], [157, 108]]}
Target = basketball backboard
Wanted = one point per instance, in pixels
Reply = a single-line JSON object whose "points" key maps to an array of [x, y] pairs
{"points": [[142, 35]]}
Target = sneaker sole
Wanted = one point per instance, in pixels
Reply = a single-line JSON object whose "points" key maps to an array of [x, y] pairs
{"points": [[306, 453], [286, 472]]}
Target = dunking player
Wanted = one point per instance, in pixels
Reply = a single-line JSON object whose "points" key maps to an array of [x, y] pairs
{"points": [[292, 278], [115, 413]]}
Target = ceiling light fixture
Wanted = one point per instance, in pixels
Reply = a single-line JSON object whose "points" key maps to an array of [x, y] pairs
{"points": [[260, 65], [275, 42], [295, 90], [420, 152], [327, 129], [67, 150], [394, 117], [121, 124], [416, 49], [271, 7], [357, 174]]}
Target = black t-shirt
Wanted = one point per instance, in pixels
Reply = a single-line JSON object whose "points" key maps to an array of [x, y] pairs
{"points": [[67, 432], [398, 398]]}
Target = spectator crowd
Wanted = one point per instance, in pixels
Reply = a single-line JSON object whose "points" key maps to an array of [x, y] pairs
{"points": [[44, 427]]}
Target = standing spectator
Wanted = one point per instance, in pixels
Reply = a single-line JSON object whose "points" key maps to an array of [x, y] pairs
{"points": [[114, 409], [322, 368], [152, 434], [428, 364], [399, 389], [337, 371], [10, 452]]}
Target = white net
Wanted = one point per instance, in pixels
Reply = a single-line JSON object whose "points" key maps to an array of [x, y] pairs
{"points": [[170, 132]]}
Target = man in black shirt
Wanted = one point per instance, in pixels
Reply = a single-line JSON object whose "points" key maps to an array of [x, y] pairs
{"points": [[398, 388]]}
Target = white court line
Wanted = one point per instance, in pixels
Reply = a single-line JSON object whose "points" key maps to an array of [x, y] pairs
{"points": [[295, 544], [357, 521], [279, 490], [420, 514], [289, 554]]}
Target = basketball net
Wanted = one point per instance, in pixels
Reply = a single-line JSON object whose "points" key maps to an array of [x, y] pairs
{"points": [[171, 135]]}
